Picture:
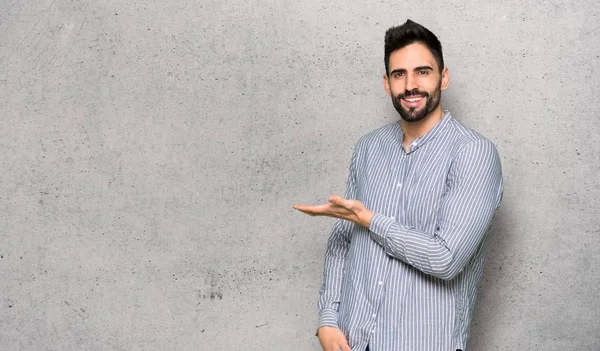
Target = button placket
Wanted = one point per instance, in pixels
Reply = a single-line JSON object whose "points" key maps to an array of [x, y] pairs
{"points": [[397, 197], [401, 181], [403, 175]]}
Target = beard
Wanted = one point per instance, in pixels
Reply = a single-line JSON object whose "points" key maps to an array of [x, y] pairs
{"points": [[412, 114]]}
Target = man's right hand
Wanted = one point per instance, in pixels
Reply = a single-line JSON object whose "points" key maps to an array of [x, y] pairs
{"points": [[332, 339]]}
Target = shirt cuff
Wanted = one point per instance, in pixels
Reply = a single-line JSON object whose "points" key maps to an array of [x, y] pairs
{"points": [[379, 228], [328, 317]]}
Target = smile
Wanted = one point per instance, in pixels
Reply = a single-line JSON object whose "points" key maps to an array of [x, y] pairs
{"points": [[413, 98]]}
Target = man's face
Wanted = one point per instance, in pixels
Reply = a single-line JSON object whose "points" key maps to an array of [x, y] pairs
{"points": [[414, 82]]}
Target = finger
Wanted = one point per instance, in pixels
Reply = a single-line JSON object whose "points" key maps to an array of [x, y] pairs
{"points": [[344, 346], [332, 345], [313, 210], [337, 347], [305, 208], [301, 208]]}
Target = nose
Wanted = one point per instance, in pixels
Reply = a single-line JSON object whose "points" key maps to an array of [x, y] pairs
{"points": [[410, 83]]}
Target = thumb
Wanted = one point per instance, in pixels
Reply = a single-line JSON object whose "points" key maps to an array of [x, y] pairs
{"points": [[338, 200]]}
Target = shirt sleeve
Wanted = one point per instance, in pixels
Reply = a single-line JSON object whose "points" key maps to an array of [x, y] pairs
{"points": [[464, 216], [335, 259]]}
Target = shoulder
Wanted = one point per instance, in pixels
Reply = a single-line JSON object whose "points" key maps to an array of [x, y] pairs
{"points": [[469, 144], [464, 137], [385, 134]]}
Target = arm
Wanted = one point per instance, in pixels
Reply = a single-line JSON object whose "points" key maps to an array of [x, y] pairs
{"points": [[465, 214], [335, 260]]}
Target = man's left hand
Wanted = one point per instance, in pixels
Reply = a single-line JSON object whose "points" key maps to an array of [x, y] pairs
{"points": [[338, 207]]}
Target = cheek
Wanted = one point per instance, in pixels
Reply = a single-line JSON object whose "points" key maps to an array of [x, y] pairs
{"points": [[430, 84], [396, 88]]}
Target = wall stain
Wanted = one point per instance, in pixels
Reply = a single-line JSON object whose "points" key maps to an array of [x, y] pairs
{"points": [[211, 294]]}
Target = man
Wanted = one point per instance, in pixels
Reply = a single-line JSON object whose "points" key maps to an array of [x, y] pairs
{"points": [[406, 254]]}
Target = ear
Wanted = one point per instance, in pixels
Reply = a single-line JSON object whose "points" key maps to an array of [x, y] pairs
{"points": [[445, 78], [386, 85]]}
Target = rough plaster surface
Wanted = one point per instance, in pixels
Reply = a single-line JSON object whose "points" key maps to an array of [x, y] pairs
{"points": [[151, 152]]}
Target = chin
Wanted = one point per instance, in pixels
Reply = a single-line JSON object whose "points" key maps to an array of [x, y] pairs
{"points": [[413, 116]]}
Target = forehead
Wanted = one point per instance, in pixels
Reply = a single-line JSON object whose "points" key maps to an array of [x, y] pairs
{"points": [[411, 56]]}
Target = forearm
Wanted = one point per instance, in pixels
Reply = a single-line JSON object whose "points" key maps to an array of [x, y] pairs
{"points": [[333, 275], [329, 298], [431, 254]]}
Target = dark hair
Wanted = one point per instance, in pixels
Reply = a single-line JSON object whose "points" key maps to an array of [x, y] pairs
{"points": [[409, 33]]}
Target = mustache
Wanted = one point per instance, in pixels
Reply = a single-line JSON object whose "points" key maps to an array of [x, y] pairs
{"points": [[412, 93]]}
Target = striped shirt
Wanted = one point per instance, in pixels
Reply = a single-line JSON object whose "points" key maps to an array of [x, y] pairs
{"points": [[409, 281]]}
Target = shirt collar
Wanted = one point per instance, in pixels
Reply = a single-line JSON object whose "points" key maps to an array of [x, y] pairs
{"points": [[430, 135]]}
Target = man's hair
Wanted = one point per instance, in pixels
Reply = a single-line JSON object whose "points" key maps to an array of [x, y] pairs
{"points": [[411, 32]]}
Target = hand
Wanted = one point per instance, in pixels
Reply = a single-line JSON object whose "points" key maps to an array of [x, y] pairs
{"points": [[332, 339], [338, 207]]}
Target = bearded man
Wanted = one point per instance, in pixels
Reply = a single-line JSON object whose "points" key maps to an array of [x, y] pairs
{"points": [[406, 254]]}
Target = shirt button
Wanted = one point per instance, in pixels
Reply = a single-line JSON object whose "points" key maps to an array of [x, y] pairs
{"points": [[380, 283], [392, 217], [373, 331], [373, 315], [399, 185]]}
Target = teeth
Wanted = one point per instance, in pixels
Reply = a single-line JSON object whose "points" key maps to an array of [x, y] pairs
{"points": [[413, 99]]}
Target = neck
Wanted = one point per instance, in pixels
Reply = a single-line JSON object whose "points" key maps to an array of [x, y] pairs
{"points": [[414, 130]]}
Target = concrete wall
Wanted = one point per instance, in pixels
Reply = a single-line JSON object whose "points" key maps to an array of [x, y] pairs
{"points": [[151, 152]]}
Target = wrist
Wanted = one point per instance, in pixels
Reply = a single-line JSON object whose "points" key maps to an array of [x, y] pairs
{"points": [[365, 218], [324, 327]]}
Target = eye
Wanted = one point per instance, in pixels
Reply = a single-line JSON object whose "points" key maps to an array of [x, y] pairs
{"points": [[398, 74], [423, 72]]}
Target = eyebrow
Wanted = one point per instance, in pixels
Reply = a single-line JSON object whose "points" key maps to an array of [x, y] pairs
{"points": [[421, 68]]}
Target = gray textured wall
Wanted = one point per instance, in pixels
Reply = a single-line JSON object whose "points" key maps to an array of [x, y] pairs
{"points": [[151, 152]]}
